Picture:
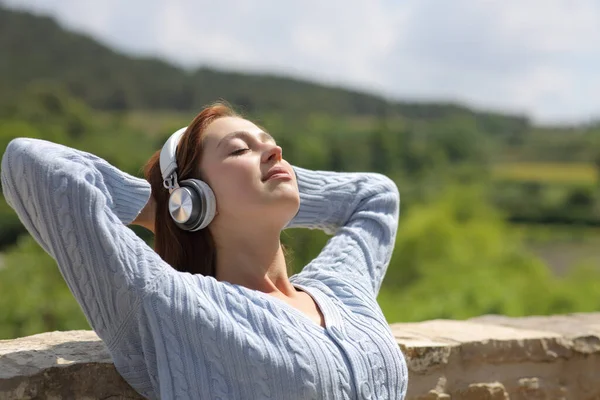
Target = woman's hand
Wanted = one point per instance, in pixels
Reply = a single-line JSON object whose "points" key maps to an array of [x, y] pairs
{"points": [[146, 217]]}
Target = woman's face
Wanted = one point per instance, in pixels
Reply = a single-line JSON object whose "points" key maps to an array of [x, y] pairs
{"points": [[237, 156]]}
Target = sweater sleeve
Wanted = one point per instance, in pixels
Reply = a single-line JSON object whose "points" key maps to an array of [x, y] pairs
{"points": [[76, 206], [360, 210]]}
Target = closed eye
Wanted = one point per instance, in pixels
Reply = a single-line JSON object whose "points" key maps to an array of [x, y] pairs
{"points": [[238, 152]]}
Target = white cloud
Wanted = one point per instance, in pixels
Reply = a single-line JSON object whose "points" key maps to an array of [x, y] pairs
{"points": [[539, 56], [505, 54]]}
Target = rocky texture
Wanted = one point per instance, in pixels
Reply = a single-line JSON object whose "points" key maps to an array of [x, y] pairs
{"points": [[495, 357], [489, 357], [60, 365]]}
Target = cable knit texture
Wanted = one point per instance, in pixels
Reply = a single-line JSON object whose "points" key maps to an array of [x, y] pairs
{"points": [[175, 335]]}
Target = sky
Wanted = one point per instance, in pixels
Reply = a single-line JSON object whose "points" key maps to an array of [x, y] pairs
{"points": [[540, 58]]}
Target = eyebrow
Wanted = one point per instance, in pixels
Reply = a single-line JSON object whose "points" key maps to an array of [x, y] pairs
{"points": [[244, 134]]}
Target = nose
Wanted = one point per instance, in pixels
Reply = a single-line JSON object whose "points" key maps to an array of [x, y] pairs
{"points": [[273, 154]]}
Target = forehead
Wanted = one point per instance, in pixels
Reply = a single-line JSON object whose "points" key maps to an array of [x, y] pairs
{"points": [[219, 128]]}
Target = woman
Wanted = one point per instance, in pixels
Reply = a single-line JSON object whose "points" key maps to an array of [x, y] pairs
{"points": [[211, 312]]}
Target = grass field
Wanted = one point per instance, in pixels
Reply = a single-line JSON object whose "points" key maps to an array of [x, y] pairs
{"points": [[547, 172]]}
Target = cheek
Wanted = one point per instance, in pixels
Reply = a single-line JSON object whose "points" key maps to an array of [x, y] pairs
{"points": [[234, 189], [235, 183]]}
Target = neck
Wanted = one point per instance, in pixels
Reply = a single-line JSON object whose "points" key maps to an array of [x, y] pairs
{"points": [[253, 259]]}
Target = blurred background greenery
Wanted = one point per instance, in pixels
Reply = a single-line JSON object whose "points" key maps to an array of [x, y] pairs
{"points": [[498, 215]]}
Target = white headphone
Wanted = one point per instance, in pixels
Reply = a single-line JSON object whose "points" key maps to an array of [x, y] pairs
{"points": [[192, 203]]}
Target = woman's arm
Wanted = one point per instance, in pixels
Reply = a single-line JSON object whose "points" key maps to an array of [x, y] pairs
{"points": [[76, 206], [147, 215], [361, 210]]}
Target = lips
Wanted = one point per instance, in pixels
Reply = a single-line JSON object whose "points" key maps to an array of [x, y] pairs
{"points": [[273, 171]]}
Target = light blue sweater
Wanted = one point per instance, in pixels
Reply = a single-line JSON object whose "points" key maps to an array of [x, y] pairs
{"points": [[174, 335]]}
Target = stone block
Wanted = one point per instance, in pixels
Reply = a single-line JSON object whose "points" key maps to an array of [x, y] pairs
{"points": [[484, 391], [60, 365]]}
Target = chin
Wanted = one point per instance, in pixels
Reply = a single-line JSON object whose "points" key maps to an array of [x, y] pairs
{"points": [[285, 194]]}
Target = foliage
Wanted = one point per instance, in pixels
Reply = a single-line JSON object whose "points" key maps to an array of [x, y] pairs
{"points": [[33, 294], [457, 258], [456, 254]]}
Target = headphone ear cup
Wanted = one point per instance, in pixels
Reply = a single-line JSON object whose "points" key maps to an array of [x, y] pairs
{"points": [[193, 205]]}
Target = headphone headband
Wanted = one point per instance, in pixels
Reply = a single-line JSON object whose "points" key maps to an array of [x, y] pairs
{"points": [[168, 162]]}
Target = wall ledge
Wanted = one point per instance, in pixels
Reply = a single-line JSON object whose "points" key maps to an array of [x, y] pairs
{"points": [[489, 357], [497, 357]]}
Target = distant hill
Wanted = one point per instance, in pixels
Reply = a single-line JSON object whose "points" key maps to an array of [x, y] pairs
{"points": [[35, 48]]}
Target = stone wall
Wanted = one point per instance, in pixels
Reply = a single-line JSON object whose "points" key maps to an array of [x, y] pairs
{"points": [[495, 357], [489, 357]]}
